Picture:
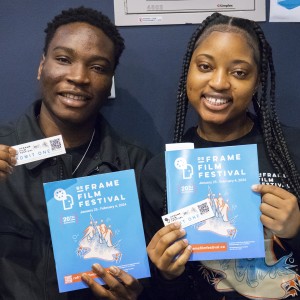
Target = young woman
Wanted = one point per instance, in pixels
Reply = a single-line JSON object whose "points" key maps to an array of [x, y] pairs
{"points": [[227, 69]]}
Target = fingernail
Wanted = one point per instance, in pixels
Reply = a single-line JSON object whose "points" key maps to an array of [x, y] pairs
{"points": [[189, 247], [85, 278], [114, 270], [12, 151], [254, 187], [182, 230], [13, 160], [185, 241], [177, 224], [97, 267]]}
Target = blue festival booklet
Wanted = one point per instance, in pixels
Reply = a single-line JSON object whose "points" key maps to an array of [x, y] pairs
{"points": [[96, 219], [223, 176]]}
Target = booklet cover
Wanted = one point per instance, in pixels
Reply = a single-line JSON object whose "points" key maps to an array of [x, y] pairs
{"points": [[96, 219], [223, 176]]}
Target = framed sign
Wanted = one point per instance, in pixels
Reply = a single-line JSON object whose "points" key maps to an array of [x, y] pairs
{"points": [[163, 12]]}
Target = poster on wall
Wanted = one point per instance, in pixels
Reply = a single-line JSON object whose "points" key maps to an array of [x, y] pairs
{"points": [[164, 12], [284, 10]]}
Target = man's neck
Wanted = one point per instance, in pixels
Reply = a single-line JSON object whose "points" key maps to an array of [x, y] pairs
{"points": [[73, 135]]}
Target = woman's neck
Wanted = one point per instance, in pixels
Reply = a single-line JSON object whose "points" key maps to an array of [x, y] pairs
{"points": [[224, 132]]}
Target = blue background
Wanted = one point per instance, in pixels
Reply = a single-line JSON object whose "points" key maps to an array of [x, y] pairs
{"points": [[148, 74]]}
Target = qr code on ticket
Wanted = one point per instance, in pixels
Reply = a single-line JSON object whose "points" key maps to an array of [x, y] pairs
{"points": [[203, 208], [55, 144]]}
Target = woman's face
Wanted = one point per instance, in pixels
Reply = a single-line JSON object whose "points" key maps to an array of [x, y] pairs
{"points": [[222, 78]]}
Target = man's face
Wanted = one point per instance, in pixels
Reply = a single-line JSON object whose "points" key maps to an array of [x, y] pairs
{"points": [[76, 73]]}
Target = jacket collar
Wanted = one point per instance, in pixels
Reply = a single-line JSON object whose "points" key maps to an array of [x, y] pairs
{"points": [[112, 150]]}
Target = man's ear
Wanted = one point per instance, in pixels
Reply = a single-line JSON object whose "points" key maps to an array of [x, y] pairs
{"points": [[41, 66]]}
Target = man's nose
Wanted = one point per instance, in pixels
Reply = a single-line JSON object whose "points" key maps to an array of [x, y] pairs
{"points": [[79, 74]]}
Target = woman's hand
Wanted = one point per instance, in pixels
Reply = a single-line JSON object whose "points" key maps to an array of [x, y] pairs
{"points": [[120, 285], [280, 210], [7, 161], [168, 252]]}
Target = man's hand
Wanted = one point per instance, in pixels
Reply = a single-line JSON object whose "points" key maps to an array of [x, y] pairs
{"points": [[119, 284], [7, 161]]}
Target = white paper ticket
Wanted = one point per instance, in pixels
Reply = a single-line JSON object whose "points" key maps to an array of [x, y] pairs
{"points": [[39, 149], [191, 214]]}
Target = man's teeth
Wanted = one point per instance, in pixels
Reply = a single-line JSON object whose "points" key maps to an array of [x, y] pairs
{"points": [[216, 101], [74, 97]]}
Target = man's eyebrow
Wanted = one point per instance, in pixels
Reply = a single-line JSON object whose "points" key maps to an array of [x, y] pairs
{"points": [[73, 52], [69, 50]]}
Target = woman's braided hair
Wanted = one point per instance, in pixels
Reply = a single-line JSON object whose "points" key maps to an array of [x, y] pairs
{"points": [[264, 107]]}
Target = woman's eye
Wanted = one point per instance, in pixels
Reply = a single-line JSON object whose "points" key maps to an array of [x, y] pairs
{"points": [[204, 67], [239, 74]]}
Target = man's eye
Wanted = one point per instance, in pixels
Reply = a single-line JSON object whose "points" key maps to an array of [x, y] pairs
{"points": [[99, 69], [63, 60]]}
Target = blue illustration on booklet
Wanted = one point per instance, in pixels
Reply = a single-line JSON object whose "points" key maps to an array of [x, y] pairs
{"points": [[96, 219], [224, 176]]}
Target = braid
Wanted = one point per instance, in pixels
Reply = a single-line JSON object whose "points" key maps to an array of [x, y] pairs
{"points": [[182, 100], [271, 129], [264, 104]]}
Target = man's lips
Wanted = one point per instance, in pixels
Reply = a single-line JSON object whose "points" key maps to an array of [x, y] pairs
{"points": [[75, 96]]}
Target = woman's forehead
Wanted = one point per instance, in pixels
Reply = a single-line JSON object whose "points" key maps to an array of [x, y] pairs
{"points": [[227, 28]]}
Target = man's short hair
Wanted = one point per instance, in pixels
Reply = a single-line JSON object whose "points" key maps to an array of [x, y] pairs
{"points": [[89, 16]]}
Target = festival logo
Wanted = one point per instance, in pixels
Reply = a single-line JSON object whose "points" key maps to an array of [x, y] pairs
{"points": [[67, 200]]}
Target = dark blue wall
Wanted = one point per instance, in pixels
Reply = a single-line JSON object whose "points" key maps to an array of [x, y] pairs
{"points": [[147, 77]]}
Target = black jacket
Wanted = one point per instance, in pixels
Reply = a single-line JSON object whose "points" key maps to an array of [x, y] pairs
{"points": [[27, 269]]}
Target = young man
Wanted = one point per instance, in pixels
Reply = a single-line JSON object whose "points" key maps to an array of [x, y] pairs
{"points": [[82, 50]]}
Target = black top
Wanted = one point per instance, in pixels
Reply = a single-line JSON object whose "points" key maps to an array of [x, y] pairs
{"points": [[281, 275], [26, 255]]}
